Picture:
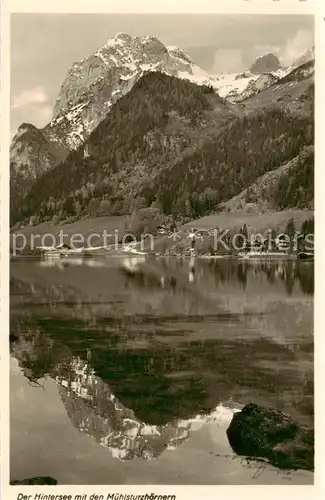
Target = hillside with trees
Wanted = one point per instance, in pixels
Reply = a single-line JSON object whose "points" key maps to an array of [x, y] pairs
{"points": [[178, 148], [248, 148], [289, 186]]}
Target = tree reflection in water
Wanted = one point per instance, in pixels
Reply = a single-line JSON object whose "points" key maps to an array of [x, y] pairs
{"points": [[139, 382]]}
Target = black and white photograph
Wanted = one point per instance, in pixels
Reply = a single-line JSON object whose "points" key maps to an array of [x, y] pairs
{"points": [[161, 250]]}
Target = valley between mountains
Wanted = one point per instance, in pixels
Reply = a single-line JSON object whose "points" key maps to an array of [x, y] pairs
{"points": [[138, 126]]}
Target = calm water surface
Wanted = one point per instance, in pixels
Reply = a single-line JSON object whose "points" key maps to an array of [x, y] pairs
{"points": [[128, 371]]}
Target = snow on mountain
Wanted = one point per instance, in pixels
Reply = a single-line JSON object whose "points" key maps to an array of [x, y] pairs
{"points": [[95, 411], [93, 85], [308, 56], [232, 85], [237, 87]]}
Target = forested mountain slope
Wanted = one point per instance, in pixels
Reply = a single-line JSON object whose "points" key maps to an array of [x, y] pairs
{"points": [[146, 131], [179, 147], [31, 155], [289, 186]]}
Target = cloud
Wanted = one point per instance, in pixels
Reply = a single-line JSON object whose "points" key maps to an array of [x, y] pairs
{"points": [[266, 49], [235, 60], [31, 106], [296, 46], [45, 113], [29, 97], [228, 61]]}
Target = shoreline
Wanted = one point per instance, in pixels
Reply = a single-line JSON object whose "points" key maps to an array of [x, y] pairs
{"points": [[157, 256]]}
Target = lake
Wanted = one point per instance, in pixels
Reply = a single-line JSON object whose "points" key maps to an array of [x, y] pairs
{"points": [[128, 370]]}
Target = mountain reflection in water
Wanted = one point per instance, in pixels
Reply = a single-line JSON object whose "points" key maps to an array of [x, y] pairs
{"points": [[94, 410], [144, 354]]}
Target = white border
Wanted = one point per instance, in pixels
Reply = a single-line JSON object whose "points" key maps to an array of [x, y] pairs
{"points": [[168, 6]]}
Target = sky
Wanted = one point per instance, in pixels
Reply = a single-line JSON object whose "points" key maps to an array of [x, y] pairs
{"points": [[44, 46]]}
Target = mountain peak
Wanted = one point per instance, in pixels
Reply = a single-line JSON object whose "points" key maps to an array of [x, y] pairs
{"points": [[124, 39], [179, 53], [24, 127], [265, 64], [24, 131], [307, 56], [123, 36], [94, 84]]}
